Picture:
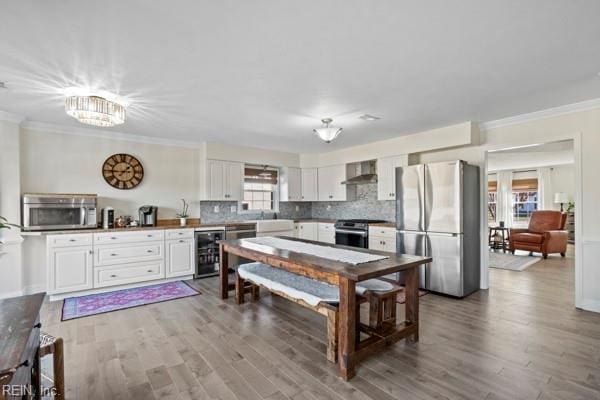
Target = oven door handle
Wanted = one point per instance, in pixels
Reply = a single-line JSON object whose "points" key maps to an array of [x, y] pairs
{"points": [[359, 233]]}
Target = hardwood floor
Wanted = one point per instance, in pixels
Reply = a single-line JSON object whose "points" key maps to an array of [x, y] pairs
{"points": [[522, 339]]}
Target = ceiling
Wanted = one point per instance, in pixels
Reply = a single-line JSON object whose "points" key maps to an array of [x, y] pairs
{"points": [[263, 73], [536, 156]]}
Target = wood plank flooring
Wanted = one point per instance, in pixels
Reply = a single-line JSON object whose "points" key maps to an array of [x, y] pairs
{"points": [[521, 339]]}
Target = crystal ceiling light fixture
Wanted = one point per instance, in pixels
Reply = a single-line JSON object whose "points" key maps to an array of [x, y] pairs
{"points": [[327, 133], [95, 110]]}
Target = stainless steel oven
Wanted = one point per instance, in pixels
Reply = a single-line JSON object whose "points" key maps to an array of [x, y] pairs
{"points": [[353, 232], [46, 212]]}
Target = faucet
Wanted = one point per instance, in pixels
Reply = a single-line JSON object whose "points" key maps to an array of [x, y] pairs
{"points": [[262, 215]]}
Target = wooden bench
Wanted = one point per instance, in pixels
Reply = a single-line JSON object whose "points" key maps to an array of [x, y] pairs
{"points": [[309, 293]]}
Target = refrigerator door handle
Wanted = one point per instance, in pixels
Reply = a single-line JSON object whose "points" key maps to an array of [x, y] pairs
{"points": [[427, 197], [442, 234]]}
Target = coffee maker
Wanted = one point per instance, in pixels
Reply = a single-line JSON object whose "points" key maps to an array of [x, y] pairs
{"points": [[108, 218], [148, 215]]}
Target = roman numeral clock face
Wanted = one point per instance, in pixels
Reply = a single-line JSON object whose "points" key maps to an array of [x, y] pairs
{"points": [[123, 171]]}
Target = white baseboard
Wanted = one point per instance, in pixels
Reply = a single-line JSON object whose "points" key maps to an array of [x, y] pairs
{"points": [[590, 305], [11, 294], [31, 289]]}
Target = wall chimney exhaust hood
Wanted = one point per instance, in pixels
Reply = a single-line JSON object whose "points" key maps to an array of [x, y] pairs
{"points": [[361, 173]]}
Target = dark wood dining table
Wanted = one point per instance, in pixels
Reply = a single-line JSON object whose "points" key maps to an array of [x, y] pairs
{"points": [[345, 276]]}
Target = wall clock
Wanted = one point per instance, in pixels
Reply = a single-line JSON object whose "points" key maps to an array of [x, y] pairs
{"points": [[122, 171]]}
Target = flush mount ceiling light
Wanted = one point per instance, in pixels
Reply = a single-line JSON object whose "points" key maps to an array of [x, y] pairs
{"points": [[327, 133], [95, 110]]}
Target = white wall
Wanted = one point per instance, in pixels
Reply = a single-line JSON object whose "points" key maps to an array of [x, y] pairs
{"points": [[251, 155], [563, 180], [466, 133], [64, 163], [11, 275]]}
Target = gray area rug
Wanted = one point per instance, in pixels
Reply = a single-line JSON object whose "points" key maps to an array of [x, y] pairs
{"points": [[511, 262]]}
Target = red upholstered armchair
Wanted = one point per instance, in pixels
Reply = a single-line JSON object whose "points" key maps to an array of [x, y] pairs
{"points": [[545, 234]]}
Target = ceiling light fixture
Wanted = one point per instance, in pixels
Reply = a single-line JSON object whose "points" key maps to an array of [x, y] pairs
{"points": [[327, 133], [95, 110], [369, 117]]}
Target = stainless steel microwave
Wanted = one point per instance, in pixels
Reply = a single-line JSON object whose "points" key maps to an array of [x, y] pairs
{"points": [[46, 212]]}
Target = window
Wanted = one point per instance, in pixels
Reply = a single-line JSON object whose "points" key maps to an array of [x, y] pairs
{"points": [[260, 189], [525, 199]]}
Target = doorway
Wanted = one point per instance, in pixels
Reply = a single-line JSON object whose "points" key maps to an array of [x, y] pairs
{"points": [[524, 186]]}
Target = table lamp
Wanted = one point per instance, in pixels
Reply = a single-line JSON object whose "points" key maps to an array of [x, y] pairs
{"points": [[561, 198]]}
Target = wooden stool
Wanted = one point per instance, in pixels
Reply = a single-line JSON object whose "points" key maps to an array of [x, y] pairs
{"points": [[382, 308], [52, 345]]}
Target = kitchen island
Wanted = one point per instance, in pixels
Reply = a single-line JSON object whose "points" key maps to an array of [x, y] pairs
{"points": [[345, 276]]}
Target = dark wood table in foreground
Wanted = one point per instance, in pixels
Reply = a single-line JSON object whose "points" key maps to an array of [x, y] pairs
{"points": [[345, 276], [19, 347]]}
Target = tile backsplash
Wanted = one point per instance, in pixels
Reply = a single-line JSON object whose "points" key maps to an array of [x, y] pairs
{"points": [[287, 210], [366, 205]]}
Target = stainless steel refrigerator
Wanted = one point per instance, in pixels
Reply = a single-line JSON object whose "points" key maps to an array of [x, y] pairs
{"points": [[438, 215]]}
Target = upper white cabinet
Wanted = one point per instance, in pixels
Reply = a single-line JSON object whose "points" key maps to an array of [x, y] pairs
{"points": [[386, 176], [225, 180], [330, 180], [298, 184], [310, 184], [290, 184]]}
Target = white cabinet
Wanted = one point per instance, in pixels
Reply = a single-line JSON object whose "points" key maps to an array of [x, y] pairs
{"points": [[290, 184], [122, 274], [111, 254], [84, 261], [128, 237], [310, 184], [382, 238], [330, 186], [225, 180], [296, 229], [180, 257], [326, 232], [307, 230], [386, 176], [69, 268]]}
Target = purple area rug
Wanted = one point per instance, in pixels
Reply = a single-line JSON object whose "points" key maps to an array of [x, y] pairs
{"points": [[77, 307]]}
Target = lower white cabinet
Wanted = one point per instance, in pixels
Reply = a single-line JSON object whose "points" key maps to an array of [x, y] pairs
{"points": [[128, 252], [122, 274], [70, 269], [180, 257], [307, 230], [117, 258], [382, 239], [326, 232]]}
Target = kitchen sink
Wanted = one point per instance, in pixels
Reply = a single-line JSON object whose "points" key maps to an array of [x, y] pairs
{"points": [[274, 225]]}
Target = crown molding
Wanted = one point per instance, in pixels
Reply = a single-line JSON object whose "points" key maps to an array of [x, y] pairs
{"points": [[11, 117], [536, 115], [105, 134]]}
